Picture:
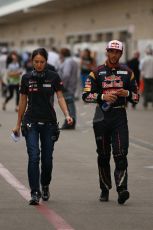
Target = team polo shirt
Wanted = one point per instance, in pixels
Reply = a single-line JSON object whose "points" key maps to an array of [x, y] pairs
{"points": [[40, 92]]}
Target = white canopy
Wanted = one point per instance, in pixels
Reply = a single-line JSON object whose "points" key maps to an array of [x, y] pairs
{"points": [[19, 6]]}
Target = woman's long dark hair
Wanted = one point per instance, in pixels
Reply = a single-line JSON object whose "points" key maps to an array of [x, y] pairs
{"points": [[41, 51]]}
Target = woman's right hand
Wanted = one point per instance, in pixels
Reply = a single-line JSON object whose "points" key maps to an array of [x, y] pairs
{"points": [[16, 131]]}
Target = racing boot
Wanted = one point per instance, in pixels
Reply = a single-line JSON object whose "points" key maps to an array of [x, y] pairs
{"points": [[35, 197], [104, 196], [123, 196]]}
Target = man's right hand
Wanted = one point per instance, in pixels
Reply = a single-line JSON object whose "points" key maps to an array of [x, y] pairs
{"points": [[110, 97]]}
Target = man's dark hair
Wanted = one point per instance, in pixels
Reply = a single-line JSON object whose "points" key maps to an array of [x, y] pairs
{"points": [[65, 52]]}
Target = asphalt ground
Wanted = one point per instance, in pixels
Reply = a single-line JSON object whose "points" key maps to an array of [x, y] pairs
{"points": [[74, 203]]}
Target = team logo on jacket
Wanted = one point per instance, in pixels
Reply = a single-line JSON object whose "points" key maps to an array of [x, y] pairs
{"points": [[47, 85], [113, 78], [102, 73], [122, 72], [112, 82], [87, 86]]}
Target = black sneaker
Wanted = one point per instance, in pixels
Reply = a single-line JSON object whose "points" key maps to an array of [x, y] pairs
{"points": [[104, 196], [45, 193], [123, 196], [35, 197]]}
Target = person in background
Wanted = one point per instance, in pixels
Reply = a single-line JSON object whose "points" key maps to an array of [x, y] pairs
{"points": [[78, 91], [146, 68], [87, 64], [53, 57], [111, 85], [68, 70], [39, 122], [28, 63], [14, 72], [3, 72], [134, 64]]}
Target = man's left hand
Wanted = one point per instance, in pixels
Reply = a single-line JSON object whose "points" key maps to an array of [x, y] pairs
{"points": [[122, 93]]}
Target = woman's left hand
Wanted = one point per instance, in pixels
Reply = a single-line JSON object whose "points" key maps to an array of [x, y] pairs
{"points": [[69, 120]]}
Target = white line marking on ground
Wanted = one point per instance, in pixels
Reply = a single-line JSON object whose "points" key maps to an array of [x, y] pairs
{"points": [[140, 147], [57, 221], [149, 167]]}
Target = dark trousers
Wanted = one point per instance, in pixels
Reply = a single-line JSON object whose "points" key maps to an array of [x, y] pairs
{"points": [[44, 134], [148, 91], [112, 133], [11, 89], [69, 98]]}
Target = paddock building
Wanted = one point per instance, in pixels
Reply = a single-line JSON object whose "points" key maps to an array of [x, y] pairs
{"points": [[26, 24]]}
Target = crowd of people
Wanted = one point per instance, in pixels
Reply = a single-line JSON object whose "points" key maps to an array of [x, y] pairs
{"points": [[13, 65]]}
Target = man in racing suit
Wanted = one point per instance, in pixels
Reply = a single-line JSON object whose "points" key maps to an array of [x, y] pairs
{"points": [[111, 85]]}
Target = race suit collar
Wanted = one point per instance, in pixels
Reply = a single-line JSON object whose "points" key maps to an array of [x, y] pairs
{"points": [[111, 66]]}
